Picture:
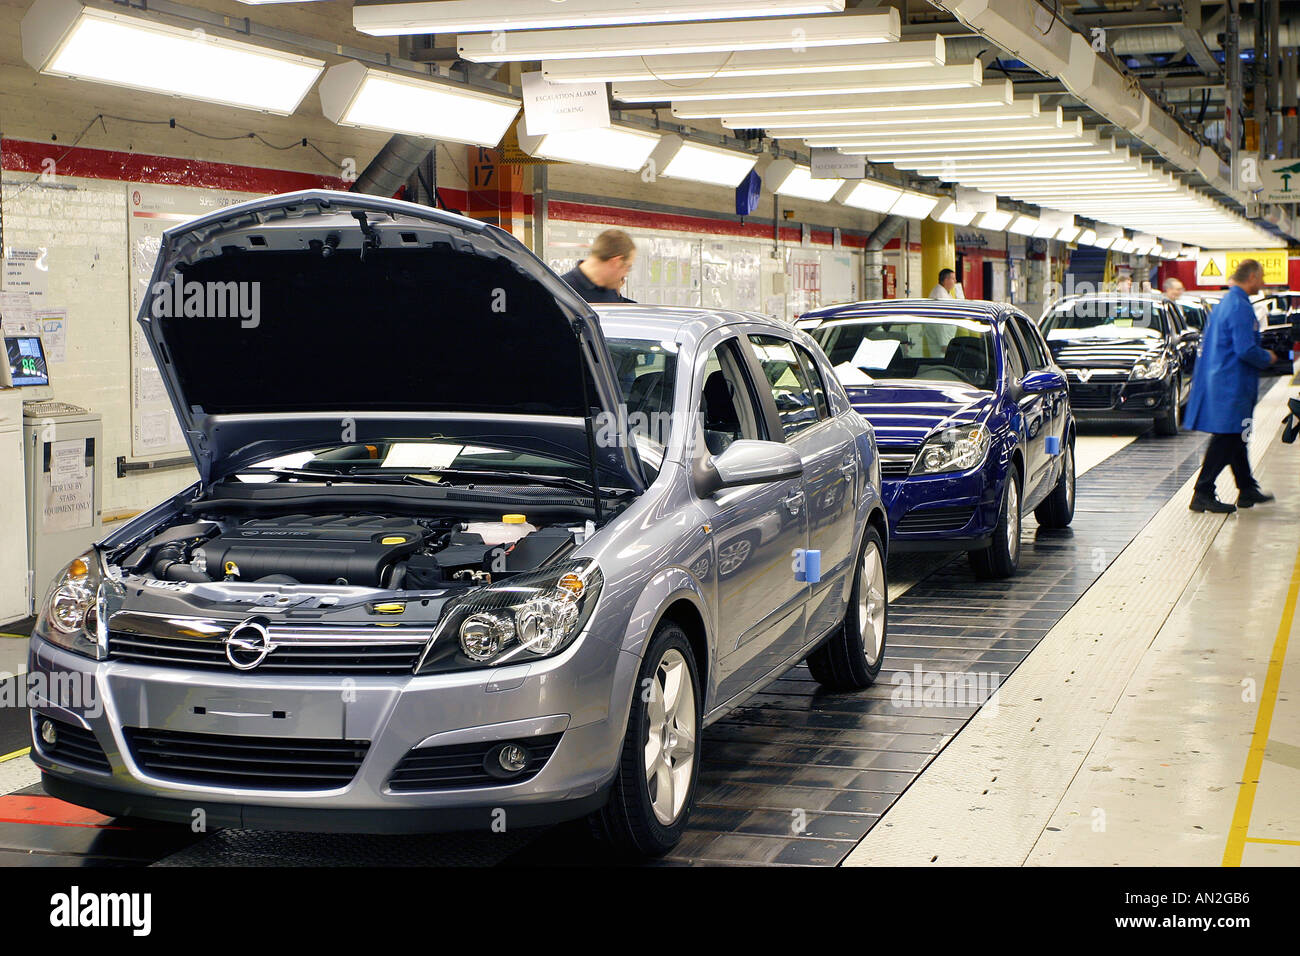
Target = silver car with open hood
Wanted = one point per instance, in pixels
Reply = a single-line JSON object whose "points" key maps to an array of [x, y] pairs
{"points": [[463, 552]]}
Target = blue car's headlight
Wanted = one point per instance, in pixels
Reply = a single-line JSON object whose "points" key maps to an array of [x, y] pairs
{"points": [[954, 449], [521, 619], [75, 612], [1153, 366]]}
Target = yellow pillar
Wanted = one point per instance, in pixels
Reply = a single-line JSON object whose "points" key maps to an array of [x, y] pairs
{"points": [[938, 251]]}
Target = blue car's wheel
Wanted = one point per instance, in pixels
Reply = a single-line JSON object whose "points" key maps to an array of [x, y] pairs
{"points": [[1002, 557], [1057, 509]]}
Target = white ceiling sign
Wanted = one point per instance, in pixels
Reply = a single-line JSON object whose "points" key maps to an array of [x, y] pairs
{"points": [[832, 164], [562, 107]]}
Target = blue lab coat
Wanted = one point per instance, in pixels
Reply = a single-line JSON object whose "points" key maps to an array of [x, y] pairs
{"points": [[1226, 381]]}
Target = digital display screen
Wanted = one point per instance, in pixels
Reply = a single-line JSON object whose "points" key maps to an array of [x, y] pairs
{"points": [[26, 360]]}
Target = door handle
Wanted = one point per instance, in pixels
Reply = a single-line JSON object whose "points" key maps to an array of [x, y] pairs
{"points": [[793, 502], [848, 467]]}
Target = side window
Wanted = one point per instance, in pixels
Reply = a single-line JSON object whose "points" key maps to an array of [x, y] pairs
{"points": [[815, 377], [729, 409], [1012, 355], [1035, 350], [796, 402]]}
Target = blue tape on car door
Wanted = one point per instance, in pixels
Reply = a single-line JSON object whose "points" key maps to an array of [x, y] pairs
{"points": [[807, 565], [1053, 443]]}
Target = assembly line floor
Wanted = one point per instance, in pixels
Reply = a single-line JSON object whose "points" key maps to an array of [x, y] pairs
{"points": [[1147, 711]]}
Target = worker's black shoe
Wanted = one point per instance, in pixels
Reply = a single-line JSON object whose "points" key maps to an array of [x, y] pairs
{"points": [[1252, 497], [1203, 503]]}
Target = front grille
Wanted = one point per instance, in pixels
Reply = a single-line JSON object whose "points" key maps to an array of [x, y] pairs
{"points": [[73, 745], [1088, 396], [343, 657], [896, 465], [462, 765], [259, 763], [952, 518]]}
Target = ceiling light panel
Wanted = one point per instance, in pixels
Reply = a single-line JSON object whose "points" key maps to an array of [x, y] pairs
{"points": [[783, 33], [854, 83]]}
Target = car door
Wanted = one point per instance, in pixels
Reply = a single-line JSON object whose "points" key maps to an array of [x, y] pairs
{"points": [[1033, 411], [1055, 400], [830, 475], [755, 529], [1185, 341]]}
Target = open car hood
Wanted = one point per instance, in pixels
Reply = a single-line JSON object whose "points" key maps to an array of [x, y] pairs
{"points": [[321, 318]]}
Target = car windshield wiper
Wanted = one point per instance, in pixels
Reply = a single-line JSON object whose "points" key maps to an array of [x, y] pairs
{"points": [[312, 475], [554, 481]]}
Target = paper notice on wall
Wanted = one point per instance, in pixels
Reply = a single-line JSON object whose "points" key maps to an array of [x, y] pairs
{"points": [[53, 324], [68, 460], [68, 505], [561, 107], [16, 314], [27, 270]]}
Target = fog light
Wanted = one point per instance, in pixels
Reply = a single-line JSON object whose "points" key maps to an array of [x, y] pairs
{"points": [[49, 733], [513, 758], [1151, 401]]}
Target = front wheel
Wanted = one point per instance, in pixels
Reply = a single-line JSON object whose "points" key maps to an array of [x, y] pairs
{"points": [[1169, 422], [1057, 509], [1002, 557], [851, 658], [654, 787]]}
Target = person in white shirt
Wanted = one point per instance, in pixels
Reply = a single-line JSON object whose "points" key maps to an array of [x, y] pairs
{"points": [[947, 282]]}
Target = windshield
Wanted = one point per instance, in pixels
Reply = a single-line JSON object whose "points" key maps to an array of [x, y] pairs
{"points": [[910, 347], [1105, 318]]}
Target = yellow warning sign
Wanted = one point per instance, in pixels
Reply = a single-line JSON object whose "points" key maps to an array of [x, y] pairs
{"points": [[1211, 270], [1274, 262]]}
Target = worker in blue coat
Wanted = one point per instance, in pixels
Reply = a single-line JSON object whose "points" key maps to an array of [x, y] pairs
{"points": [[1224, 388]]}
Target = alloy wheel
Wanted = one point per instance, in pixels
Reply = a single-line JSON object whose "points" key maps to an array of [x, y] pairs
{"points": [[670, 744], [871, 604]]}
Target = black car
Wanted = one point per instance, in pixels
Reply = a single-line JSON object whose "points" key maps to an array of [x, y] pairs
{"points": [[1279, 314], [1129, 355]]}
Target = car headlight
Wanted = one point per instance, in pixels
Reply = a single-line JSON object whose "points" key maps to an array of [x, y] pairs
{"points": [[1153, 366], [527, 617], [954, 449], [75, 613]]}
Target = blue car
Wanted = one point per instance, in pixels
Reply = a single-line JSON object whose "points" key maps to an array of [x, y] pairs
{"points": [[972, 419]]}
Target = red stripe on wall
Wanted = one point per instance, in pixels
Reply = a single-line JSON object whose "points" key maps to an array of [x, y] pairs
{"points": [[24, 156]]}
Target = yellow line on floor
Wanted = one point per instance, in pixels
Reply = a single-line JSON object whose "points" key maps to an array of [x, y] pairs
{"points": [[17, 753], [1278, 842], [21, 637], [1237, 835]]}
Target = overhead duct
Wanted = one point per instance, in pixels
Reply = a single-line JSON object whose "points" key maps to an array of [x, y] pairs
{"points": [[393, 165], [873, 256]]}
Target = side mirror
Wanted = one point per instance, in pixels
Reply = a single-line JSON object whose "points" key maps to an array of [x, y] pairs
{"points": [[747, 462], [1044, 380]]}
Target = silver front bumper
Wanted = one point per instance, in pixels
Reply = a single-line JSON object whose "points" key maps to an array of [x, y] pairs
{"points": [[583, 694]]}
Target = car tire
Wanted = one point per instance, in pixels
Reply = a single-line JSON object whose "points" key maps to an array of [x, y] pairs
{"points": [[1002, 557], [851, 657], [1169, 422], [1057, 509], [637, 821]]}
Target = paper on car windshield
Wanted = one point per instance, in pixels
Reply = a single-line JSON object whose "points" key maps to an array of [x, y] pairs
{"points": [[874, 353], [421, 455], [850, 374]]}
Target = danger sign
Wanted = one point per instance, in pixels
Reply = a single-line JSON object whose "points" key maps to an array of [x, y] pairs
{"points": [[1214, 268]]}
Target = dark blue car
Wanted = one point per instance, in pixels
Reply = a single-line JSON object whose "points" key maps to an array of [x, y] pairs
{"points": [[972, 420]]}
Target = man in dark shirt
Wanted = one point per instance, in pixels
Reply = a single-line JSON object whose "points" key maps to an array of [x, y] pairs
{"points": [[599, 277]]}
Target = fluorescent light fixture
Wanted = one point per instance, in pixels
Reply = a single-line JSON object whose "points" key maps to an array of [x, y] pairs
{"points": [[1023, 225], [67, 38], [996, 220], [941, 154], [353, 94], [992, 95], [868, 194], [984, 137], [613, 147], [679, 158], [1088, 237], [475, 16], [1068, 233], [784, 33], [954, 212], [853, 83], [785, 177], [1045, 230], [948, 122], [914, 205], [910, 54]]}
